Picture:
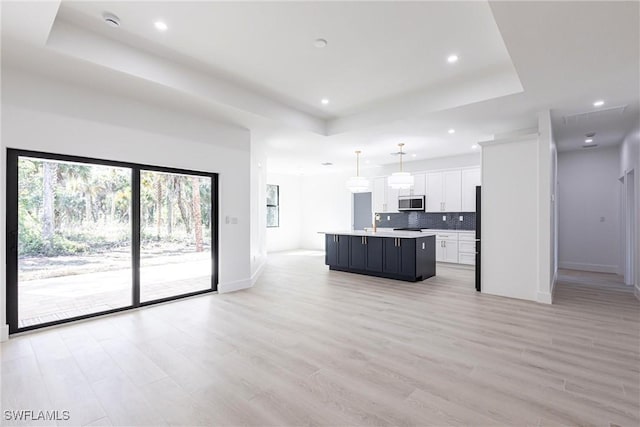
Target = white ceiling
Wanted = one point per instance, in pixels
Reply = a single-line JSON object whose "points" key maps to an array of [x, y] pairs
{"points": [[516, 59], [375, 50]]}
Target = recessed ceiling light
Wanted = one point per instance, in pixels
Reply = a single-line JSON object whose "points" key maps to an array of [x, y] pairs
{"points": [[320, 43], [160, 26], [598, 103], [413, 155], [367, 161], [324, 101], [452, 58], [111, 20], [452, 131], [474, 147], [588, 140]]}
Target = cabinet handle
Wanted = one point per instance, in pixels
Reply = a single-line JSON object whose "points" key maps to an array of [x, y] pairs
{"points": [[365, 240]]}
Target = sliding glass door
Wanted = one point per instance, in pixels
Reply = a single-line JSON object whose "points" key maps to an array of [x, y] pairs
{"points": [[87, 236], [175, 234], [74, 239]]}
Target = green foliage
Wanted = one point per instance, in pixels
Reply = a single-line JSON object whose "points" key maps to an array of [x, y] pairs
{"points": [[92, 208]]}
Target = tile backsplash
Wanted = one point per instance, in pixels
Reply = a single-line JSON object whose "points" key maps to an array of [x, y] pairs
{"points": [[428, 220]]}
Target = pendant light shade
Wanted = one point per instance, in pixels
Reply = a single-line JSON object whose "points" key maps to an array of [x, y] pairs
{"points": [[358, 184], [400, 180]]}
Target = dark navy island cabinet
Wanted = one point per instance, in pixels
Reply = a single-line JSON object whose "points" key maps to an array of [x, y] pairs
{"points": [[337, 250], [410, 259]]}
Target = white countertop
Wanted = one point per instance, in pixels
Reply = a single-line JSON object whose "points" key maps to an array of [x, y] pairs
{"points": [[383, 233]]}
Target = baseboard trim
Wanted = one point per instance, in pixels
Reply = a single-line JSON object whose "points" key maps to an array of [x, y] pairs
{"points": [[258, 272], [544, 298], [234, 286], [4, 333], [596, 268]]}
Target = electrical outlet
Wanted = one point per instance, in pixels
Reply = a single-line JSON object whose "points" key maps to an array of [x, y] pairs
{"points": [[234, 220], [461, 218], [388, 217], [444, 217]]}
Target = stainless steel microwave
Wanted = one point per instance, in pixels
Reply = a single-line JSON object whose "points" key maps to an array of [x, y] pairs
{"points": [[411, 203]]}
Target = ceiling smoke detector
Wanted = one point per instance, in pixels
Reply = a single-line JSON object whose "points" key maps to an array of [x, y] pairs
{"points": [[320, 43], [111, 20], [590, 134], [326, 164]]}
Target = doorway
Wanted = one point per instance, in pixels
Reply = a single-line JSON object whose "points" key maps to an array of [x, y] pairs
{"points": [[89, 237], [362, 214]]}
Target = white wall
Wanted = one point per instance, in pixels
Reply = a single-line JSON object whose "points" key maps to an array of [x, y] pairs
{"points": [[589, 191], [45, 115], [510, 218], [547, 208], [630, 160], [258, 208], [287, 235], [326, 206]]}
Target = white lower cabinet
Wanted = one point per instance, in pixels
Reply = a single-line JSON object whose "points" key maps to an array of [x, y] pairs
{"points": [[467, 247], [447, 247], [458, 247], [468, 259]]}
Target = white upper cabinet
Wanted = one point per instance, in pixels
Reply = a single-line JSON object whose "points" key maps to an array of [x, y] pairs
{"points": [[444, 191], [470, 179], [452, 191], [379, 194], [385, 199], [392, 199], [434, 192], [419, 186]]}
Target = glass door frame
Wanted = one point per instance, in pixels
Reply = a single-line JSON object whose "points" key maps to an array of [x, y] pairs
{"points": [[12, 303]]}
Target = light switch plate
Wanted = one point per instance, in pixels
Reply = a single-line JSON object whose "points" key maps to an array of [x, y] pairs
{"points": [[461, 218], [444, 217], [388, 217]]}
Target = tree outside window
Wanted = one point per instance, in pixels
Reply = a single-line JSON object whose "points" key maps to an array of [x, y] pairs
{"points": [[273, 205]]}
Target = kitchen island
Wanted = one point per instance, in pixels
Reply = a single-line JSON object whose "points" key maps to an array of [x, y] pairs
{"points": [[401, 255]]}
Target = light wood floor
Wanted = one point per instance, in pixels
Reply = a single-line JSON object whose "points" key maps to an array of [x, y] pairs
{"points": [[307, 346]]}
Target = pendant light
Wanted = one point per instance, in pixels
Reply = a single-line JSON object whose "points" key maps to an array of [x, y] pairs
{"points": [[358, 184], [400, 180]]}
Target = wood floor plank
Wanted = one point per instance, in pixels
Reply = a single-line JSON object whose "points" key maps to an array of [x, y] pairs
{"points": [[309, 346]]}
